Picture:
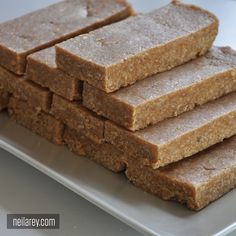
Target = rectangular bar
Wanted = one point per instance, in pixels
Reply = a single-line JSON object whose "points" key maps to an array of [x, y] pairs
{"points": [[42, 69], [120, 54], [79, 118], [4, 99], [195, 181], [104, 154], [168, 94], [26, 90], [40, 123], [176, 138], [56, 23]]}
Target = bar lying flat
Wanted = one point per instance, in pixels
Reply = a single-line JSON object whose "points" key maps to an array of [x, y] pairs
{"points": [[105, 154], [195, 181], [167, 94], [25, 90], [38, 122], [56, 23], [42, 69], [122, 53], [78, 118], [176, 138]]}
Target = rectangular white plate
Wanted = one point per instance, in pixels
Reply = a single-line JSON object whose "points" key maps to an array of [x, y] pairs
{"points": [[112, 192]]}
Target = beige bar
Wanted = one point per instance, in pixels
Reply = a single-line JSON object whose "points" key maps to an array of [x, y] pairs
{"points": [[104, 154], [79, 118], [176, 138], [40, 123], [122, 53], [167, 94], [56, 23], [23, 89], [195, 181], [42, 69]]}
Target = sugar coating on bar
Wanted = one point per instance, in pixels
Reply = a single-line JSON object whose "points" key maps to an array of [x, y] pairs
{"points": [[56, 23], [195, 181], [42, 69], [104, 154], [125, 52], [180, 137], [167, 94], [38, 122], [79, 118], [23, 89]]}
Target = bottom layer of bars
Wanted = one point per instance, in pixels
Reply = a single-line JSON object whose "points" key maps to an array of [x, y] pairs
{"points": [[37, 121], [195, 181], [104, 154]]}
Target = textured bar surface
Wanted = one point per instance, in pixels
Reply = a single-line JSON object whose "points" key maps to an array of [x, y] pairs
{"points": [[40, 123], [123, 53], [167, 94], [79, 118], [35, 95], [4, 98], [176, 138], [56, 23], [195, 181], [104, 154], [42, 69]]}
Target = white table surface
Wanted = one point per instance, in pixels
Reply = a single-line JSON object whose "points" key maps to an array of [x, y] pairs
{"points": [[26, 190]]}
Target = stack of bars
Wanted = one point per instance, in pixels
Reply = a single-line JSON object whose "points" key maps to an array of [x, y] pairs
{"points": [[147, 95]]}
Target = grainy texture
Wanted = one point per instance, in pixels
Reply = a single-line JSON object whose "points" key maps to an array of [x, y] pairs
{"points": [[122, 53], [167, 94], [195, 181], [4, 98], [42, 69], [180, 137], [79, 118], [104, 154], [35, 95], [56, 23], [40, 123]]}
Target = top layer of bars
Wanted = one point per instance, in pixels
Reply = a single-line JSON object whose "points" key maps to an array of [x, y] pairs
{"points": [[122, 53], [56, 23]]}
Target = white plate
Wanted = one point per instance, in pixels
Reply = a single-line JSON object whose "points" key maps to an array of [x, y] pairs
{"points": [[112, 192]]}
